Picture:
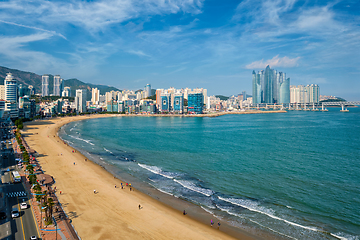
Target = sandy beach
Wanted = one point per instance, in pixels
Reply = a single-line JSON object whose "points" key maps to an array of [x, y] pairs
{"points": [[111, 213]]}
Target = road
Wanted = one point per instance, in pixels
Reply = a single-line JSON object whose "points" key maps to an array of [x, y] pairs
{"points": [[24, 226]]}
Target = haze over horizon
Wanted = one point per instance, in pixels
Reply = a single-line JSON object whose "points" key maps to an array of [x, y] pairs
{"points": [[192, 43]]}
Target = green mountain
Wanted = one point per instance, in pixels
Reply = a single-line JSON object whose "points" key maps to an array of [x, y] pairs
{"points": [[222, 97], [77, 84], [28, 78], [25, 78]]}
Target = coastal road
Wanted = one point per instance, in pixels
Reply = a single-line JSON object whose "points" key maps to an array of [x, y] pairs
{"points": [[24, 226]]}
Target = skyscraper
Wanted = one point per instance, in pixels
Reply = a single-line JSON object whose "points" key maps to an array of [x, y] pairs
{"points": [[11, 95], [284, 91], [57, 85], [314, 93], [305, 94], [45, 85], [80, 100], [147, 90], [95, 96], [256, 88], [270, 86]]}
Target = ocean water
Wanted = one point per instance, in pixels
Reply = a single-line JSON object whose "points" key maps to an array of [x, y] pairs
{"points": [[295, 175]]}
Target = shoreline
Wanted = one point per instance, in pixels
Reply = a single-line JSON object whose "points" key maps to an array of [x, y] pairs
{"points": [[196, 220], [81, 204]]}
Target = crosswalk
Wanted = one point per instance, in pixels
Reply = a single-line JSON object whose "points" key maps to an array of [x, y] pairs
{"points": [[16, 194]]}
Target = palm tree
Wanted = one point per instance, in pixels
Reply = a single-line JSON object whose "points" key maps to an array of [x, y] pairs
{"points": [[50, 204]]}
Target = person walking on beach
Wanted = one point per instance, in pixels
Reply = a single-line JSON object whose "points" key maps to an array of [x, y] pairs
{"points": [[139, 206], [218, 225], [211, 223], [94, 191]]}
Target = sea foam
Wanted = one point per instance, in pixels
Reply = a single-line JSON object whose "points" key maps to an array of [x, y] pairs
{"points": [[250, 205], [193, 187], [157, 171], [84, 140]]}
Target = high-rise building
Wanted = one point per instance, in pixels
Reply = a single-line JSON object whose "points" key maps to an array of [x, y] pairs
{"points": [[284, 91], [45, 85], [195, 103], [178, 102], [305, 94], [147, 90], [158, 97], [314, 93], [165, 102], [24, 106], [80, 100], [31, 90], [2, 92], [66, 92], [270, 86], [2, 107], [95, 96], [58, 83], [11, 97]]}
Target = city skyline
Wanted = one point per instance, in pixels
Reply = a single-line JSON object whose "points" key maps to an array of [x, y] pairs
{"points": [[128, 44]]}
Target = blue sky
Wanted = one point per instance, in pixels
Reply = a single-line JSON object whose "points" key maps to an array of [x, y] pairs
{"points": [[190, 43]]}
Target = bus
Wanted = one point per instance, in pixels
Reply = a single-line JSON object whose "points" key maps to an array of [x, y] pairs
{"points": [[16, 176]]}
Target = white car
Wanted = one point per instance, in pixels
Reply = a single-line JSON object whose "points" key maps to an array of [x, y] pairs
{"points": [[23, 205], [33, 238], [15, 212]]}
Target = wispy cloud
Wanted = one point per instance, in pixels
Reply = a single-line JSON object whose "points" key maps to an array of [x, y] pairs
{"points": [[35, 28], [138, 53], [274, 62], [177, 70], [96, 15]]}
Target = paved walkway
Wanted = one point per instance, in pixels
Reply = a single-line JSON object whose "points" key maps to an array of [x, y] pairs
{"points": [[64, 228]]}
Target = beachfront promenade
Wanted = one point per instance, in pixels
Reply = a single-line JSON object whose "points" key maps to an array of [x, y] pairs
{"points": [[63, 229]]}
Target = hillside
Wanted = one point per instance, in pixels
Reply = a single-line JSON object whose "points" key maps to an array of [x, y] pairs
{"points": [[28, 78]]}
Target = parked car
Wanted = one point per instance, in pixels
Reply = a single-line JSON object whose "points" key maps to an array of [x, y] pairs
{"points": [[33, 238]]}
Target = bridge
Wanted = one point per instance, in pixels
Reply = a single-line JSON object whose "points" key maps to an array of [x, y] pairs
{"points": [[307, 106]]}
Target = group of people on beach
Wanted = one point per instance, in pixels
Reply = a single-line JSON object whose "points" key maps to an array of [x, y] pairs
{"points": [[212, 223]]}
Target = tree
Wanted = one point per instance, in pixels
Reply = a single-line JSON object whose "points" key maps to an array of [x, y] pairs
{"points": [[51, 205]]}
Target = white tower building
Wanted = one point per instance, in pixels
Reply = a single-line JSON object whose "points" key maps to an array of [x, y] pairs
{"points": [[11, 104], [57, 85], [45, 86], [80, 100]]}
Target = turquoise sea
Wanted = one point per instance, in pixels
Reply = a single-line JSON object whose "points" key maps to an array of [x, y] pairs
{"points": [[295, 175]]}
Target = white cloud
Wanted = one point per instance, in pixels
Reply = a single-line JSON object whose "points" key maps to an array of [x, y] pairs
{"points": [[138, 53], [94, 15], [35, 28], [15, 52], [274, 62]]}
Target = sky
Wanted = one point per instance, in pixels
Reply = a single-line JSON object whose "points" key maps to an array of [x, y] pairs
{"points": [[212, 44]]}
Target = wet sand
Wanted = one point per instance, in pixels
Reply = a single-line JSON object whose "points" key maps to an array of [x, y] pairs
{"points": [[111, 213]]}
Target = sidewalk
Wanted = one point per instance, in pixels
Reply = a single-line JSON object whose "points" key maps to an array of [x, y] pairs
{"points": [[64, 228]]}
